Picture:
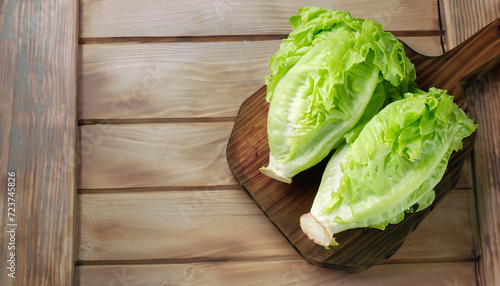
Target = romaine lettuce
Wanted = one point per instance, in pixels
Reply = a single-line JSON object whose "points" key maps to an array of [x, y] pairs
{"points": [[329, 77], [391, 168]]}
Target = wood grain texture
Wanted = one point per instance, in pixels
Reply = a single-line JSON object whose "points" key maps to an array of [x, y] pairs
{"points": [[463, 18], [179, 80], [479, 54], [157, 155], [275, 273], [445, 235], [163, 226], [170, 80], [152, 155], [38, 46], [485, 98], [427, 46], [118, 18], [176, 226], [465, 181], [213, 225]]}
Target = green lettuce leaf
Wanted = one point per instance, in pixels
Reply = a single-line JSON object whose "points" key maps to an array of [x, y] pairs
{"points": [[393, 165], [329, 77]]}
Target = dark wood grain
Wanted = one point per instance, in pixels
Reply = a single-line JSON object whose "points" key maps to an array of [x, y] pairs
{"points": [[457, 68], [462, 19], [38, 139], [359, 249], [159, 18], [485, 98]]}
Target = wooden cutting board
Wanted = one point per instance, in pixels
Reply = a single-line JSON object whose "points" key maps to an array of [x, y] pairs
{"points": [[358, 249]]}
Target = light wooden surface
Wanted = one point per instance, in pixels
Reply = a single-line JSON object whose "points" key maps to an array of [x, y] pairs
{"points": [[218, 225], [176, 226], [279, 272], [157, 203], [166, 81], [170, 80], [155, 155], [159, 85], [157, 18], [38, 137]]}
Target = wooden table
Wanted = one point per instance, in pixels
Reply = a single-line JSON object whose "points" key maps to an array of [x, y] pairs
{"points": [[115, 117]]}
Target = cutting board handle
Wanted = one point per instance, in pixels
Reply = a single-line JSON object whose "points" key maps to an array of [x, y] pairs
{"points": [[477, 55], [455, 70]]}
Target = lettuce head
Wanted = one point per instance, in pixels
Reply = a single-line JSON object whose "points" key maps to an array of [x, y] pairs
{"points": [[330, 76], [391, 167]]}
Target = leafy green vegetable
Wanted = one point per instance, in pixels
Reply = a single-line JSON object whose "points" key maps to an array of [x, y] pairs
{"points": [[393, 165], [329, 77]]}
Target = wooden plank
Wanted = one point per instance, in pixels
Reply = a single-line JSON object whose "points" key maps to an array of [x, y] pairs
{"points": [[462, 19], [38, 47], [228, 225], [156, 18], [173, 80], [449, 226], [485, 97], [275, 273], [170, 80], [153, 155], [176, 226], [108, 153], [427, 46]]}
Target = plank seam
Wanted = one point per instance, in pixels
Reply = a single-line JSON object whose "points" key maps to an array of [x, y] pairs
{"points": [[179, 261], [158, 189], [156, 120], [228, 38], [440, 23], [246, 259]]}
